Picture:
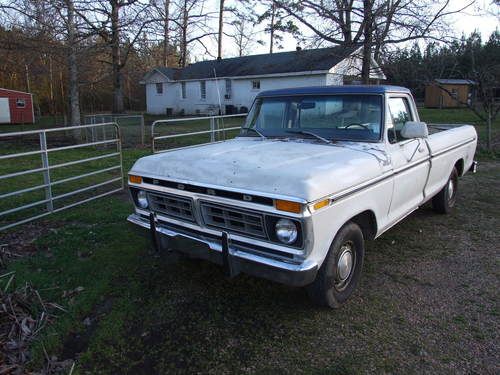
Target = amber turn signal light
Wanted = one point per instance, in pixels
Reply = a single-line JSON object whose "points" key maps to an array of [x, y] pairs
{"points": [[321, 204], [288, 206], [135, 179]]}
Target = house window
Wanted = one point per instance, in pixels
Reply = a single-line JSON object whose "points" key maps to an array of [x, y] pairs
{"points": [[255, 85], [20, 103], [228, 89], [203, 89], [183, 90], [159, 88]]}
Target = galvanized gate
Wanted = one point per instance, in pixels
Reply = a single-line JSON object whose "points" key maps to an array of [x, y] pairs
{"points": [[216, 130], [81, 140]]}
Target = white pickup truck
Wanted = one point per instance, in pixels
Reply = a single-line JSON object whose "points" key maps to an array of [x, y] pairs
{"points": [[313, 174]]}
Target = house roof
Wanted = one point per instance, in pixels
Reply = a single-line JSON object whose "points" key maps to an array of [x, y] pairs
{"points": [[443, 81], [320, 59], [20, 92], [345, 89]]}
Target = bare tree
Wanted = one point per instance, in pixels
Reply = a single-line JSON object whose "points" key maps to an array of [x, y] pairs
{"points": [[119, 23], [371, 23], [242, 28], [193, 24], [57, 18], [72, 43]]}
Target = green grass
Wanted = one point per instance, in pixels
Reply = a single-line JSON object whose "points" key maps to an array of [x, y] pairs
{"points": [[153, 314]]}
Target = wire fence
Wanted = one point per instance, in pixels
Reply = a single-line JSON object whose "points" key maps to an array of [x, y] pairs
{"points": [[132, 126]]}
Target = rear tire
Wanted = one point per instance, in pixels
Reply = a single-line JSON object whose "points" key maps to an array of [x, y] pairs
{"points": [[444, 201], [341, 270]]}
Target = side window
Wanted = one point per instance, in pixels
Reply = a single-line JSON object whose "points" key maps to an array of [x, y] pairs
{"points": [[183, 90], [400, 114], [203, 90], [159, 88]]}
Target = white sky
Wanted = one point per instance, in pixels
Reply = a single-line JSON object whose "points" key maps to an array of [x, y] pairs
{"points": [[481, 16]]}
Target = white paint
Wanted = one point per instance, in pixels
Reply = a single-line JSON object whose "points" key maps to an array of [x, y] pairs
{"points": [[4, 111]]}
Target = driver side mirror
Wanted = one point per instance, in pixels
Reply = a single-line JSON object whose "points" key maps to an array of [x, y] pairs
{"points": [[414, 129]]}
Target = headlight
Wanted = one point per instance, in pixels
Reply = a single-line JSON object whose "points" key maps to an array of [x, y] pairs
{"points": [[142, 199], [286, 231]]}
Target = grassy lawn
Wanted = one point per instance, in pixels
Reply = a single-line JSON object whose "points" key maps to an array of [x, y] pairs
{"points": [[428, 299]]}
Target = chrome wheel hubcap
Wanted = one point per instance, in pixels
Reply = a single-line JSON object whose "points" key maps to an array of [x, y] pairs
{"points": [[451, 189], [345, 263]]}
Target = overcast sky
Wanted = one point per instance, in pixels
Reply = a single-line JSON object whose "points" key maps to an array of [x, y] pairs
{"points": [[481, 16]]}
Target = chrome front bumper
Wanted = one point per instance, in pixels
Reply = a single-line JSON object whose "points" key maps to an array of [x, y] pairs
{"points": [[220, 250]]}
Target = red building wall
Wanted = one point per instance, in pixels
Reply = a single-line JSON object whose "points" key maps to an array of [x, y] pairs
{"points": [[18, 113]]}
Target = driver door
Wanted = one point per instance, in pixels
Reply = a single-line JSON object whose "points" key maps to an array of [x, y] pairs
{"points": [[410, 160]]}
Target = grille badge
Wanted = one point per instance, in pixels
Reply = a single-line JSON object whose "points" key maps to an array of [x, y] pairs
{"points": [[247, 197]]}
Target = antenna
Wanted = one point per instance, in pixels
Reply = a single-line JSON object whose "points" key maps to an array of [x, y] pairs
{"points": [[220, 103]]}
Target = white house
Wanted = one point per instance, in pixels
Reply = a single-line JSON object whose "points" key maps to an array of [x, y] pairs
{"points": [[230, 85]]}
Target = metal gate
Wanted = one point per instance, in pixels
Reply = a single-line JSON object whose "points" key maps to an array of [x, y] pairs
{"points": [[47, 170], [216, 129]]}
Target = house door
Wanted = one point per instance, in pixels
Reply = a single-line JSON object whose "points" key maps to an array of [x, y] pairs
{"points": [[4, 111]]}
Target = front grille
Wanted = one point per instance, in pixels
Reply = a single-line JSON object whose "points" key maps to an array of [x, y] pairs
{"points": [[172, 205], [233, 219]]}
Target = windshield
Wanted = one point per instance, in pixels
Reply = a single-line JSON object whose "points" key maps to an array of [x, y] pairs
{"points": [[332, 117]]}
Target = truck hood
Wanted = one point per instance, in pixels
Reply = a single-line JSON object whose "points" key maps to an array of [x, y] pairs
{"points": [[293, 168]]}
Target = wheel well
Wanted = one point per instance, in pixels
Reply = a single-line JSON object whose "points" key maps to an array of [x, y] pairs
{"points": [[460, 167], [368, 224]]}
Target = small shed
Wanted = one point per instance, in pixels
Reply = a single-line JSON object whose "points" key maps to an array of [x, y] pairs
{"points": [[16, 107], [449, 93]]}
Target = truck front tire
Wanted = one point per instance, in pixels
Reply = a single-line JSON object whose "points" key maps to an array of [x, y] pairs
{"points": [[444, 201], [341, 270]]}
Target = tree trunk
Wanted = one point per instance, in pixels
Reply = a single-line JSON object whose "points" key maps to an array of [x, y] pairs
{"points": [[273, 13], [367, 42], [116, 58], [183, 43], [221, 24], [166, 35], [27, 74], [74, 92]]}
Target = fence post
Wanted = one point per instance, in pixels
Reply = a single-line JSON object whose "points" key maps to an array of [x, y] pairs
{"points": [[143, 130], [46, 172], [212, 128]]}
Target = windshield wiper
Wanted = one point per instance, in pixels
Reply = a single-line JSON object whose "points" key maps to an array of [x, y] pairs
{"points": [[256, 131], [305, 132]]}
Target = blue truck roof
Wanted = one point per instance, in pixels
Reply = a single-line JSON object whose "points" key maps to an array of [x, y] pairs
{"points": [[346, 89]]}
